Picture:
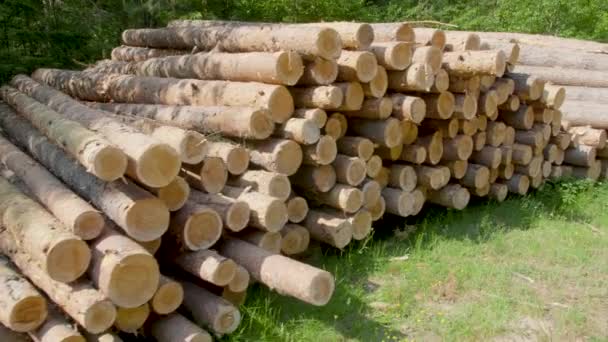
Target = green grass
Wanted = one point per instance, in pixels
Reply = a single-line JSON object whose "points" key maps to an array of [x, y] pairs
{"points": [[532, 267]]}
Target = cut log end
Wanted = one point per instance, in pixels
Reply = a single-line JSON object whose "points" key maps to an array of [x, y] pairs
{"points": [[134, 281], [193, 147], [67, 259], [289, 158], [445, 105], [295, 239], [240, 281], [378, 209], [289, 68], [158, 166], [500, 64], [99, 317], [260, 124], [362, 224], [374, 165], [202, 229], [213, 175], [393, 133], [167, 298], [356, 171], [297, 208], [364, 36], [147, 219], [326, 150], [270, 241], [328, 44], [237, 161], [321, 288], [353, 95], [109, 163], [280, 105], [28, 314], [175, 194], [130, 320], [366, 67], [227, 319], [88, 225], [237, 216]]}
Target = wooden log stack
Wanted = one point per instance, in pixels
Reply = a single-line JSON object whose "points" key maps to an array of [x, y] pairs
{"points": [[176, 178]]}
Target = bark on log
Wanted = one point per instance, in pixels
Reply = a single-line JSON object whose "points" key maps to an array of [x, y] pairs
{"points": [[439, 106], [286, 276], [234, 213], [407, 107], [208, 265], [267, 213], [317, 178], [451, 196], [56, 329], [375, 108], [295, 239], [149, 161], [92, 150], [209, 310], [527, 86], [328, 227], [168, 297], [177, 328], [356, 147]]}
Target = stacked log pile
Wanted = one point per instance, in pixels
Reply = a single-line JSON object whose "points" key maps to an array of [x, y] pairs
{"points": [[145, 194]]}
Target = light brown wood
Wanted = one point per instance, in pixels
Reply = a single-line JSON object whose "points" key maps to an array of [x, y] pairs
{"points": [[409, 108], [356, 66], [476, 176], [329, 228], [209, 310], [194, 227], [387, 32], [234, 213], [581, 155], [458, 148], [430, 56], [589, 136], [267, 213], [378, 86], [414, 78], [349, 170], [322, 153], [319, 71], [168, 297], [265, 240], [234, 156], [130, 320], [208, 265], [470, 63], [392, 55], [210, 175], [384, 132], [269, 183], [177, 328], [451, 196], [317, 178], [346, 198], [295, 239], [317, 115], [297, 208], [439, 106], [56, 329], [356, 147], [278, 155], [173, 195]]}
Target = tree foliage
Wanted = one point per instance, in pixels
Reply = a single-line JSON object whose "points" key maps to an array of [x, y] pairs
{"points": [[71, 33]]}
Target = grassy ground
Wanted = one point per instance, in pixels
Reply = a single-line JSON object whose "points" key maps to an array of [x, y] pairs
{"points": [[531, 268]]}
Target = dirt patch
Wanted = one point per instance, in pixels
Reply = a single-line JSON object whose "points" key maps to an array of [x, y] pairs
{"points": [[528, 329]]}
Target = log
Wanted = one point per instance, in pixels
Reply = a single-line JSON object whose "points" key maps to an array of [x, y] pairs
{"points": [[587, 94], [498, 192], [56, 329], [209, 310], [356, 66], [392, 55], [532, 169], [495, 133], [286, 276], [579, 113], [168, 297], [378, 86], [267, 213], [571, 77], [471, 63], [467, 127], [137, 54], [234, 156], [592, 172], [92, 150], [211, 175], [429, 36], [295, 239], [22, 307], [402, 177], [282, 67], [433, 177], [479, 141], [353, 95], [476, 176], [240, 37], [349, 170], [506, 171], [450, 196], [371, 191], [439, 106], [373, 165], [486, 82], [509, 136], [465, 106], [531, 138], [409, 131], [177, 328], [122, 269], [194, 227], [170, 91], [547, 55], [504, 88], [527, 86], [356, 147], [74, 213], [507, 155], [518, 184], [302, 131], [327, 227], [318, 116], [12, 336], [269, 183], [543, 115], [208, 265], [79, 299], [589, 136], [544, 130], [522, 154], [277, 155], [489, 156], [416, 154], [430, 56], [234, 213], [240, 281], [407, 107], [130, 320], [319, 71], [173, 195], [375, 108], [342, 125], [316, 178], [415, 78], [551, 152], [323, 97], [511, 49], [442, 82], [297, 208], [553, 96], [149, 161], [465, 85], [378, 209], [399, 202], [488, 104], [388, 153], [333, 127], [361, 222], [384, 132], [265, 240], [61, 254], [346, 198], [433, 145], [581, 155], [457, 168], [388, 32], [458, 148], [457, 41], [322, 153], [512, 104], [523, 118]]}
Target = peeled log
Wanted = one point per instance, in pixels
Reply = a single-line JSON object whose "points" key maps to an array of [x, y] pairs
{"points": [[76, 214], [170, 91], [589, 136], [267, 213], [587, 94], [451, 196], [527, 87], [319, 71], [356, 147], [434, 147], [285, 275], [137, 54], [149, 161], [318, 116], [323, 97], [208, 265], [295, 239], [61, 254], [56, 329], [356, 66], [235, 214], [269, 183], [302, 131], [194, 227], [430, 56], [388, 32], [571, 77], [581, 155], [210, 175], [173, 195], [234, 156], [177, 328], [378, 86], [410, 108], [579, 113], [22, 307], [278, 155], [308, 41], [349, 170], [209, 310], [297, 208], [385, 132], [79, 299], [471, 63], [375, 108], [415, 78], [343, 197], [439, 106], [265, 240], [429, 36], [322, 153], [462, 41], [92, 150], [265, 67]]}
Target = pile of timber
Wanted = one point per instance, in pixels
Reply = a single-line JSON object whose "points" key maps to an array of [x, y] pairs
{"points": [[207, 155]]}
